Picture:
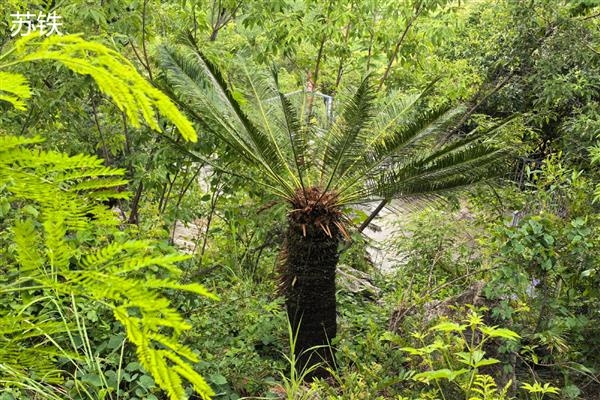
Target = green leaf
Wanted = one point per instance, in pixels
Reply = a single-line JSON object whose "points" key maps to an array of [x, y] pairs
{"points": [[438, 374], [449, 327], [218, 379], [486, 361], [113, 73], [504, 333], [412, 350], [146, 381], [92, 379], [391, 337]]}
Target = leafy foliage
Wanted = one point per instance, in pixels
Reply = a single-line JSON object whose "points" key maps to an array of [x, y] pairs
{"points": [[456, 353], [53, 263], [532, 242], [113, 73], [360, 156]]}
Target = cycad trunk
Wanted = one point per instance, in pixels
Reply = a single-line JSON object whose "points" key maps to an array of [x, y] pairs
{"points": [[310, 293]]}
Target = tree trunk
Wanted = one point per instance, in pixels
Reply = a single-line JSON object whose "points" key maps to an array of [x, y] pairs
{"points": [[311, 261]]}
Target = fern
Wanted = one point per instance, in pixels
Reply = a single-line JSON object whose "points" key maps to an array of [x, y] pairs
{"points": [[113, 73], [485, 388], [14, 89], [49, 262]]}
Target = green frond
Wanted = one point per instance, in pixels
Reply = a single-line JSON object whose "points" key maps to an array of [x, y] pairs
{"points": [[175, 346], [72, 174], [395, 111], [108, 254], [198, 82], [15, 89], [421, 127], [297, 137], [167, 262], [166, 366], [57, 249], [449, 172], [342, 143], [113, 73], [188, 287], [26, 241], [455, 163], [200, 385], [62, 189], [375, 149], [185, 371], [98, 183], [10, 142]]}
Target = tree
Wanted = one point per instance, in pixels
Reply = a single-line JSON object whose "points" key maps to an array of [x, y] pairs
{"points": [[320, 172]]}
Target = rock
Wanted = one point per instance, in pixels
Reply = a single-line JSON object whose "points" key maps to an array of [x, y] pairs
{"points": [[355, 281], [186, 236], [380, 231]]}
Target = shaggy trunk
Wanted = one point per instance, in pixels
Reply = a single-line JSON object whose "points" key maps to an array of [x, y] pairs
{"points": [[311, 263]]}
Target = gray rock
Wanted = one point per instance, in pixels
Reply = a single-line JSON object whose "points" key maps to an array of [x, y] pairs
{"points": [[355, 281]]}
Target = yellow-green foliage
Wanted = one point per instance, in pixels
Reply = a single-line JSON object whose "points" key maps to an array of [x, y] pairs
{"points": [[113, 73], [126, 277], [14, 89]]}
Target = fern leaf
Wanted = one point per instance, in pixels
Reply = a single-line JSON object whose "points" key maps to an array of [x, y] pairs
{"points": [[14, 89], [113, 73], [188, 287]]}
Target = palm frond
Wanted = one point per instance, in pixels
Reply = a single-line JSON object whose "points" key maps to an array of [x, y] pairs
{"points": [[200, 82], [447, 172], [296, 136], [417, 134], [364, 155], [343, 141]]}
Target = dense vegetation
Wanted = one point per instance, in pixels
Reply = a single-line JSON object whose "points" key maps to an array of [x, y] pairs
{"points": [[374, 199]]}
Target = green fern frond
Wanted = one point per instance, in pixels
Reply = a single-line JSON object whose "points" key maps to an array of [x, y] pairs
{"points": [[14, 89], [26, 241], [57, 249], [10, 142], [485, 387], [188, 287], [168, 262], [62, 188], [113, 73], [99, 183], [175, 346], [183, 369], [108, 254]]}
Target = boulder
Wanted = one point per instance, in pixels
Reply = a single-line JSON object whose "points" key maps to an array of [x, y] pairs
{"points": [[355, 281]]}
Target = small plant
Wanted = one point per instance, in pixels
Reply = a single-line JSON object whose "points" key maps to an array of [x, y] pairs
{"points": [[294, 384], [457, 356], [537, 390], [485, 388]]}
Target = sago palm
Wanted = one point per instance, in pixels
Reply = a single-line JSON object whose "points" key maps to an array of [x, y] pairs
{"points": [[371, 151]]}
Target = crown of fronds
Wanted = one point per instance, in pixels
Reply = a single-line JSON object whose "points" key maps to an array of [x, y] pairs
{"points": [[375, 149], [113, 73], [47, 260]]}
